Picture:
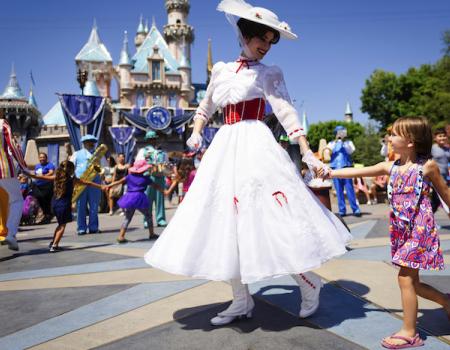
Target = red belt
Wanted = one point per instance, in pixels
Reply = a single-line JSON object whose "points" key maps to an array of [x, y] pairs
{"points": [[246, 110]]}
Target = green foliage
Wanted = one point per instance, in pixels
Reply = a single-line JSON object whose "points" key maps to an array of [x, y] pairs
{"points": [[368, 147], [325, 130], [419, 91]]}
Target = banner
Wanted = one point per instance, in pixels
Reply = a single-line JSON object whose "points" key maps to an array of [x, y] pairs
{"points": [[180, 118], [123, 140], [82, 111]]}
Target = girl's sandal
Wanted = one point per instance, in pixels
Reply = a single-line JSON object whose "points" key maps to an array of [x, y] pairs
{"points": [[409, 342], [153, 236], [120, 241]]}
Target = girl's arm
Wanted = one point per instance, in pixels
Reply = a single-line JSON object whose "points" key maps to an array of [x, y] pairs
{"points": [[160, 189], [118, 182], [172, 186], [382, 168], [89, 183], [431, 170], [41, 177]]}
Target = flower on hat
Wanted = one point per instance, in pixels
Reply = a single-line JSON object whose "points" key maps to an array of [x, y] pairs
{"points": [[258, 15], [285, 26]]}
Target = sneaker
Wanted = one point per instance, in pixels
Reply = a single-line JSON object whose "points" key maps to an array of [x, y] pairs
{"points": [[369, 203], [12, 243], [81, 233], [54, 248], [111, 213], [50, 244]]}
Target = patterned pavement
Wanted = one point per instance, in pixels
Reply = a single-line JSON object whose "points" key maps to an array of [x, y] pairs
{"points": [[97, 294]]}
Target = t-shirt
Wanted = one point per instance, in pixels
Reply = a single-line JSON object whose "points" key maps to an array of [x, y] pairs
{"points": [[40, 169], [442, 158]]}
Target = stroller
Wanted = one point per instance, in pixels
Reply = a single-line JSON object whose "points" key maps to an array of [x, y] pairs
{"points": [[31, 211]]}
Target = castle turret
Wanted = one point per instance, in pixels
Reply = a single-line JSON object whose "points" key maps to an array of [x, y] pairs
{"points": [[124, 70], [177, 31], [95, 59], [348, 117], [140, 33]]}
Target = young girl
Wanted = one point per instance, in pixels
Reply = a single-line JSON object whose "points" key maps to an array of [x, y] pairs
{"points": [[414, 240], [64, 182], [185, 176], [135, 197], [248, 215]]}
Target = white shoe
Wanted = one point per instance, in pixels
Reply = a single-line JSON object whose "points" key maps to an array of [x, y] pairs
{"points": [[12, 243], [310, 285], [224, 320], [241, 307], [369, 203]]}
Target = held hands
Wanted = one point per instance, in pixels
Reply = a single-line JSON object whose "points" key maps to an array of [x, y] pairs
{"points": [[315, 165], [195, 141]]}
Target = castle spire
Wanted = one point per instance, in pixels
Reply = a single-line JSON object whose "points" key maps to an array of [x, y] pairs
{"points": [[141, 28], [124, 54], [209, 62], [348, 113], [13, 89], [94, 49], [146, 30]]}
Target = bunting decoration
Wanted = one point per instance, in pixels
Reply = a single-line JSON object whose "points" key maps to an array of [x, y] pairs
{"points": [[123, 140]]}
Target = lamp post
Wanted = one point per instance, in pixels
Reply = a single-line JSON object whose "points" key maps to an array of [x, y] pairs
{"points": [[82, 76]]}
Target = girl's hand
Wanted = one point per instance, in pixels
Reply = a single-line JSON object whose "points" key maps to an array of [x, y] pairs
{"points": [[315, 165], [195, 141], [325, 173], [105, 188], [166, 193]]}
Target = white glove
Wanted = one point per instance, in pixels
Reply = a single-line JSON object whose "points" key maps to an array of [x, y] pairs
{"points": [[313, 163], [195, 141]]}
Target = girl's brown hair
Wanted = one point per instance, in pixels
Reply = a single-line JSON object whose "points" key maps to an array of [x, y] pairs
{"points": [[418, 131], [62, 176], [185, 168]]}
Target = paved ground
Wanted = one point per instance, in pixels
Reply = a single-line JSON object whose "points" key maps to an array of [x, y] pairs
{"points": [[97, 294]]}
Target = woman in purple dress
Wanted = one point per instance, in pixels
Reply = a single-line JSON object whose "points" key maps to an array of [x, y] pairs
{"points": [[135, 198]]}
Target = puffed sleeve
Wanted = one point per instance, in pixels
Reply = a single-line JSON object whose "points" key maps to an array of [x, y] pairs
{"points": [[277, 95], [207, 107]]}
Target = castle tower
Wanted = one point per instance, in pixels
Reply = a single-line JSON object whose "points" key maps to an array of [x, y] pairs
{"points": [[140, 33], [177, 33], [124, 71], [95, 58], [348, 117]]}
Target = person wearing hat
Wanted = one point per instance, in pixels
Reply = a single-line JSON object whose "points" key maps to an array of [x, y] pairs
{"points": [[248, 215], [137, 182], [91, 196], [154, 156], [341, 158]]}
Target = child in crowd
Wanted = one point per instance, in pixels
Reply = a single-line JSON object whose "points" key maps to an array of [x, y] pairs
{"points": [[414, 239], [135, 197], [64, 181], [185, 176], [441, 155]]}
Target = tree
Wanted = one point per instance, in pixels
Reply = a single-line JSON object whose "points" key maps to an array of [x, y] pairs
{"points": [[446, 40], [325, 130], [368, 147]]}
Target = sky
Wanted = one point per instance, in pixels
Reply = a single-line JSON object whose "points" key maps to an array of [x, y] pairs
{"points": [[340, 43]]}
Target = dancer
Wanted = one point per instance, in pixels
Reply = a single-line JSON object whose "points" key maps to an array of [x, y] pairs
{"points": [[414, 239], [135, 198], [62, 202], [248, 215], [10, 195]]}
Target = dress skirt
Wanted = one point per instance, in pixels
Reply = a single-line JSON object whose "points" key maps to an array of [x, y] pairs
{"points": [[248, 215]]}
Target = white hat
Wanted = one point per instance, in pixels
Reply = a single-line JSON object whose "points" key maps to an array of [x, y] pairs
{"points": [[260, 15]]}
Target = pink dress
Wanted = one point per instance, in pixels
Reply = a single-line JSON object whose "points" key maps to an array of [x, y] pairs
{"points": [[414, 238]]}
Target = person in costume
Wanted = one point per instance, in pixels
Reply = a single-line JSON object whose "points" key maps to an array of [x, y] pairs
{"points": [[248, 215], [415, 242], [89, 199], [341, 158], [11, 199], [154, 156]]}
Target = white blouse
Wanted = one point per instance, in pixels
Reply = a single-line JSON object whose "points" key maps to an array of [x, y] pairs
{"points": [[232, 83]]}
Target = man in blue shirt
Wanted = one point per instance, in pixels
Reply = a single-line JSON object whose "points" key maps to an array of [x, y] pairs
{"points": [[90, 196], [43, 190]]}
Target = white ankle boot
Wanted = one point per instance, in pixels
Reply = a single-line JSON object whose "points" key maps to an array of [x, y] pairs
{"points": [[240, 308], [310, 285]]}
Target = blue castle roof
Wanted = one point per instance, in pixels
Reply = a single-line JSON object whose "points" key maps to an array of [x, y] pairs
{"points": [[94, 50], [55, 116], [13, 90], [153, 38]]}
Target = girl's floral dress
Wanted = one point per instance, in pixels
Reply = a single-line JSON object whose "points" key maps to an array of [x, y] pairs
{"points": [[414, 238]]}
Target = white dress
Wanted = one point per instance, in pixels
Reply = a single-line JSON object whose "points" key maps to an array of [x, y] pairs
{"points": [[248, 214]]}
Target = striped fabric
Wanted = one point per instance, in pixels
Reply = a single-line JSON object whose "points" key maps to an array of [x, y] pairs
{"points": [[9, 150], [252, 109]]}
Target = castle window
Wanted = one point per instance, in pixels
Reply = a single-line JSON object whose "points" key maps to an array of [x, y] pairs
{"points": [[157, 100], [156, 70], [173, 101], [140, 99]]}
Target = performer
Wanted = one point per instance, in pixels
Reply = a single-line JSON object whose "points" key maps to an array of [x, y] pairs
{"points": [[154, 156], [248, 215], [90, 196], [340, 158], [10, 195]]}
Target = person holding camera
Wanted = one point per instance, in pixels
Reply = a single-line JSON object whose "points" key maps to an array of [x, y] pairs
{"points": [[341, 158]]}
